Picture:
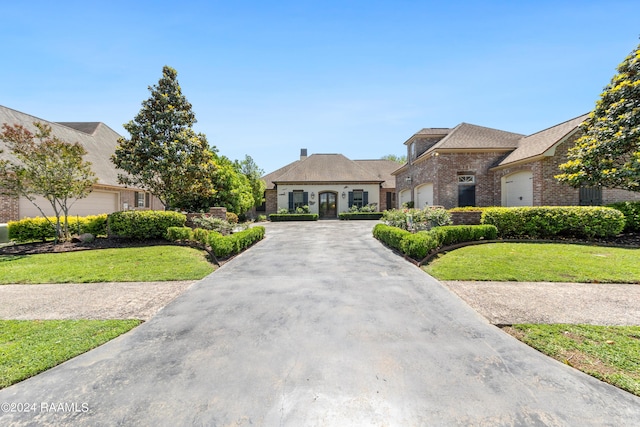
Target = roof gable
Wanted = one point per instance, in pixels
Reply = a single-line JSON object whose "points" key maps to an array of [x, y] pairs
{"points": [[539, 143], [327, 168], [100, 143], [468, 136]]}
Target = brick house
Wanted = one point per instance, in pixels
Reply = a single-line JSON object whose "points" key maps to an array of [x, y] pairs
{"points": [[329, 184], [471, 165], [100, 141]]}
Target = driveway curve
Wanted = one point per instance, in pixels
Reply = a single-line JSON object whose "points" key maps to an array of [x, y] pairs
{"points": [[317, 325]]}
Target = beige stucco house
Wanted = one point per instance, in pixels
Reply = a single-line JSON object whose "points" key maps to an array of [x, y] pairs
{"points": [[470, 165], [100, 141], [330, 184]]}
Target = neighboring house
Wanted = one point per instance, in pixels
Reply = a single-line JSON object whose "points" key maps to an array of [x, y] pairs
{"points": [[330, 184], [100, 141], [476, 166]]}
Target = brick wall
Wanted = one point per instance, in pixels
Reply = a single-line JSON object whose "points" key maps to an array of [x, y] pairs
{"points": [[8, 209], [271, 201]]}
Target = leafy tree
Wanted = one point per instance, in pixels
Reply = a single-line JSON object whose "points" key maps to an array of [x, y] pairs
{"points": [[233, 189], [608, 152], [250, 169], [164, 155], [398, 159], [45, 166]]}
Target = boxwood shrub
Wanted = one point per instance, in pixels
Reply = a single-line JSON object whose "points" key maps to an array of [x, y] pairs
{"points": [[419, 245], [631, 211], [39, 228], [221, 246], [359, 215], [552, 221], [141, 225], [293, 217]]}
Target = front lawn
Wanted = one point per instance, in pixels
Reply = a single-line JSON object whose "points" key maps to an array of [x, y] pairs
{"points": [[609, 353], [538, 262], [30, 347], [136, 264]]}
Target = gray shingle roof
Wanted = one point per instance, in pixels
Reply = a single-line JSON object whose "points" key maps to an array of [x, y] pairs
{"points": [[100, 142], [538, 143], [468, 136], [334, 168]]}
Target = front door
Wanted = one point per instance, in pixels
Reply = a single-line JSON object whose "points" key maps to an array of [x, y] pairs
{"points": [[328, 205]]}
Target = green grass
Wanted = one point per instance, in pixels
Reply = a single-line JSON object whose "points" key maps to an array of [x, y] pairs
{"points": [[536, 262], [30, 347], [139, 264], [609, 353]]}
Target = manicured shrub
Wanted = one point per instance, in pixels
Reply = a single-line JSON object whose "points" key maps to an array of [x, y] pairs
{"points": [[212, 223], [179, 233], [39, 228], [552, 221], [143, 225], [453, 234], [232, 218], [416, 219], [293, 217], [418, 245], [201, 235], [222, 247], [360, 215], [631, 211], [389, 235]]}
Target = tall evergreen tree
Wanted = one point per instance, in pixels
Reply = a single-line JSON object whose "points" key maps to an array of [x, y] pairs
{"points": [[608, 153], [164, 155]]}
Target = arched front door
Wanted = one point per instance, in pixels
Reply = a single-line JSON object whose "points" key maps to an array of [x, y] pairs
{"points": [[328, 205]]}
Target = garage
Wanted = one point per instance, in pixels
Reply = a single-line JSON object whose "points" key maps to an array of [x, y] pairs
{"points": [[424, 195], [97, 202], [517, 189], [405, 197]]}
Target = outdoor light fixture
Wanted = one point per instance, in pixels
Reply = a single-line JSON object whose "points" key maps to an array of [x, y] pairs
{"points": [[344, 194], [408, 179], [313, 195]]}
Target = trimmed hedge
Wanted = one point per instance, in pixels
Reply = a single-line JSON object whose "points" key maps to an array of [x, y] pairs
{"points": [[419, 245], [631, 211], [360, 215], [141, 225], [39, 228], [293, 217], [552, 221], [221, 246]]}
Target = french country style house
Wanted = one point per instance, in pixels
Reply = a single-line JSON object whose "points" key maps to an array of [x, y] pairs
{"points": [[330, 184], [100, 141], [470, 165]]}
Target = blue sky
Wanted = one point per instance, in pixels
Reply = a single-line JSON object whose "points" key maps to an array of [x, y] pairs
{"points": [[267, 78]]}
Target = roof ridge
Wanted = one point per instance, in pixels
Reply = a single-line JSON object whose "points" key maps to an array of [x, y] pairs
{"points": [[556, 125]]}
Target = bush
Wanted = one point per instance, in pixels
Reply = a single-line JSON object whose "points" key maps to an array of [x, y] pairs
{"points": [[417, 219], [419, 245], [221, 246], [39, 228], [293, 217], [232, 218], [631, 211], [212, 223], [552, 221], [179, 233], [143, 225], [360, 215]]}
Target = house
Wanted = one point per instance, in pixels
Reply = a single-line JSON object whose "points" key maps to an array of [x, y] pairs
{"points": [[330, 184], [107, 194], [470, 165]]}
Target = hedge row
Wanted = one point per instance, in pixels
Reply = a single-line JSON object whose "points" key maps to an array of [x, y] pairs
{"points": [[359, 215], [293, 217], [631, 211], [419, 245], [39, 228], [552, 221], [142, 225], [222, 246]]}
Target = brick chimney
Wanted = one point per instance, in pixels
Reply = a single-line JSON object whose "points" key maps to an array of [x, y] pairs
{"points": [[303, 153]]}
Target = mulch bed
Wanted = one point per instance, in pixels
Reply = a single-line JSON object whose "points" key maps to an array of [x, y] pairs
{"points": [[100, 243]]}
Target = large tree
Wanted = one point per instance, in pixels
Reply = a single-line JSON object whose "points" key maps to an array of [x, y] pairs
{"points": [[164, 155], [608, 152], [45, 166], [250, 169]]}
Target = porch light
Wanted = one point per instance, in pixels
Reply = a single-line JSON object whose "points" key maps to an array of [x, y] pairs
{"points": [[408, 179], [313, 195], [344, 194]]}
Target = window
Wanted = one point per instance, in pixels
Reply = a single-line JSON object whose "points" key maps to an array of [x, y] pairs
{"points": [[141, 200], [358, 198], [413, 150], [298, 199], [466, 179], [466, 189]]}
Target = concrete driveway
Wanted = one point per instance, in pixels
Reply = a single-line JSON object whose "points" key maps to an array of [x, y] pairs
{"points": [[318, 325]]}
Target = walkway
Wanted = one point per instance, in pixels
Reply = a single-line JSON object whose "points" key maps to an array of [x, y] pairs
{"points": [[318, 325]]}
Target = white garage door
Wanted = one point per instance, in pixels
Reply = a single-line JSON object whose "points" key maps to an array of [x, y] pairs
{"points": [[517, 189], [424, 195], [405, 196], [97, 202]]}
